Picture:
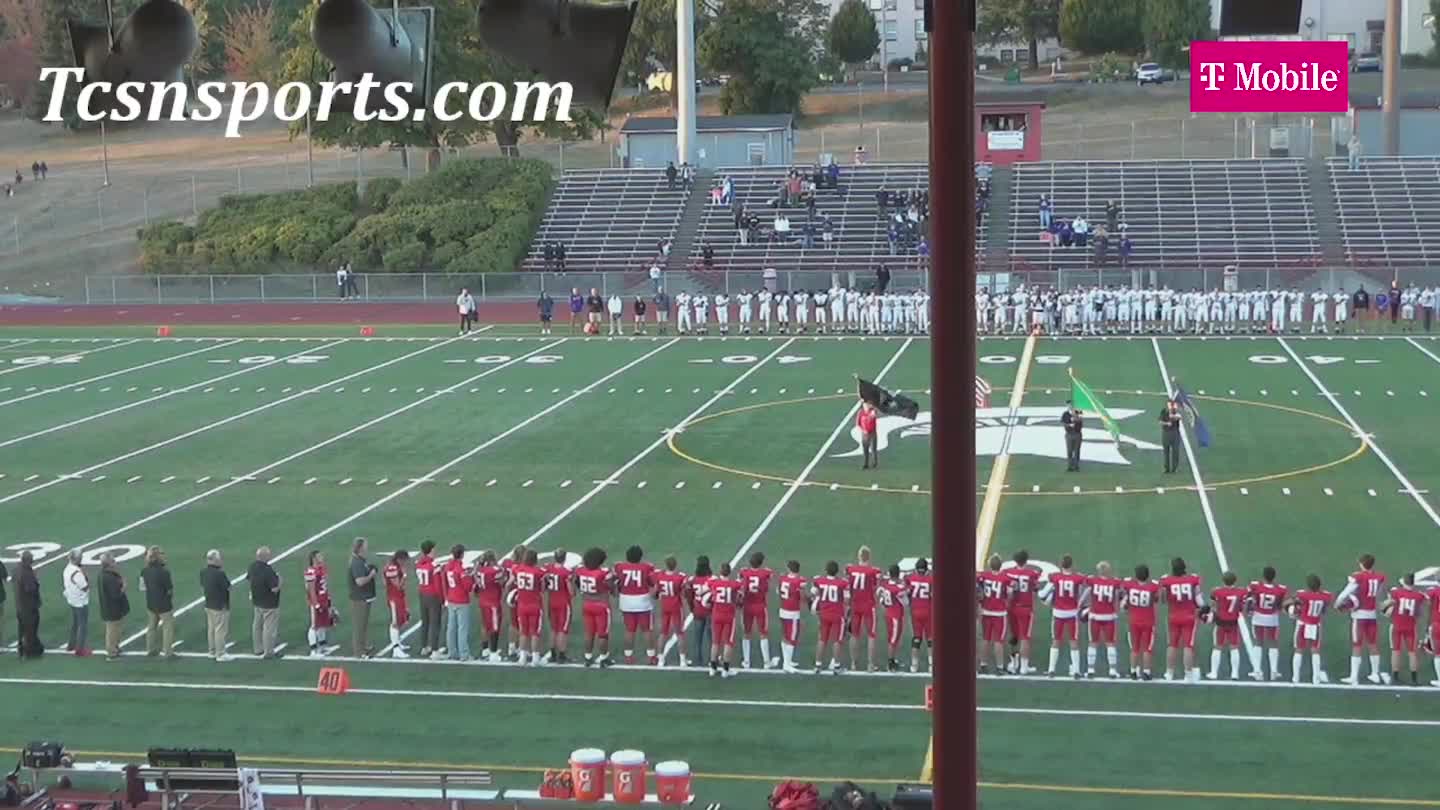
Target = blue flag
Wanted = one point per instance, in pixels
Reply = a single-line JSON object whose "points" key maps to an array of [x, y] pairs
{"points": [[1192, 415]]}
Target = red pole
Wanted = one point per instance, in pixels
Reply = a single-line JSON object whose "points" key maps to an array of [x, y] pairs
{"points": [[952, 285]]}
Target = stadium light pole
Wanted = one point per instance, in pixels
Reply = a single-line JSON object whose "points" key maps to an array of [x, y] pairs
{"points": [[685, 75], [1390, 81], [955, 742]]}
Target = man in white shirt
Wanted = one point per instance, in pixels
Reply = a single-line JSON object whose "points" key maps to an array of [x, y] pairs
{"points": [[617, 314], [340, 281], [722, 313], [465, 303], [1342, 311], [701, 302], [744, 299], [1319, 302], [77, 596], [1297, 310], [822, 310], [922, 312], [802, 310], [655, 277], [782, 311], [766, 310], [682, 312]]}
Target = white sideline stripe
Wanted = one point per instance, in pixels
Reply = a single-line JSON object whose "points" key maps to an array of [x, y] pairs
{"points": [[162, 361], [137, 403], [211, 426], [613, 478], [468, 454], [692, 701], [798, 483], [1204, 494], [1426, 351], [70, 354], [1365, 437]]}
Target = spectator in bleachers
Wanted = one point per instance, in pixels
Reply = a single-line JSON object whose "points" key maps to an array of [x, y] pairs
{"points": [[707, 253], [741, 231], [1102, 245], [807, 234], [670, 174], [717, 193], [1082, 231], [687, 175], [560, 255], [1126, 247], [728, 191], [549, 256], [1112, 216], [662, 249], [1352, 151], [827, 230], [922, 251], [892, 237], [861, 157], [832, 175], [882, 279], [1064, 232], [1047, 212]]}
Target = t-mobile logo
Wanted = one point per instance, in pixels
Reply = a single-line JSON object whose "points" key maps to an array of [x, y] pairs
{"points": [[1258, 77]]}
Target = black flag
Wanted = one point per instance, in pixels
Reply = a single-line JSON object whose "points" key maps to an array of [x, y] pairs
{"points": [[886, 402]]}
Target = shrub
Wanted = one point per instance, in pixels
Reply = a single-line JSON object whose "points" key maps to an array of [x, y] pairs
{"points": [[378, 193]]}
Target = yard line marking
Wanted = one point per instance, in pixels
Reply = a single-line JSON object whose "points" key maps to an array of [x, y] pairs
{"points": [[199, 480], [97, 479], [382, 482], [1205, 506], [79, 354], [106, 376], [463, 457], [293, 456], [1329, 491], [1368, 439], [1371, 491], [132, 479], [491, 482], [274, 480], [137, 403], [641, 485], [167, 479], [1285, 490], [344, 481], [220, 423], [990, 506], [455, 483], [1244, 490], [309, 481], [527, 483], [716, 485], [31, 477], [1424, 350]]}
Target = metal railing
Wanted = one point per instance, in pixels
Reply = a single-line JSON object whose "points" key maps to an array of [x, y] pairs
{"points": [[1375, 277]]}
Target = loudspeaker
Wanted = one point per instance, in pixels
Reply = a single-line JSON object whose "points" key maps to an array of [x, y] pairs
{"points": [[579, 43], [43, 754], [913, 797], [1255, 17]]}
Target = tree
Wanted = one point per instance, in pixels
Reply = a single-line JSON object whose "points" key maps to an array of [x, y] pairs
{"points": [[853, 35], [1100, 26], [770, 62], [1028, 21], [1435, 28], [1171, 25], [252, 51], [21, 23]]}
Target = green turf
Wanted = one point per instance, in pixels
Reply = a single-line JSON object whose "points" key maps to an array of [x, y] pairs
{"points": [[568, 444]]}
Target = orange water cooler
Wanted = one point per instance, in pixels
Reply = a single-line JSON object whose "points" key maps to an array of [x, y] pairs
{"points": [[672, 782], [629, 774], [587, 767]]}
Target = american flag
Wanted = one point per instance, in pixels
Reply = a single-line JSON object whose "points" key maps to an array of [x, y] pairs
{"points": [[982, 392]]}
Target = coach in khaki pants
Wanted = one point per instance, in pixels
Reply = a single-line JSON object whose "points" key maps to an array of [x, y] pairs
{"points": [[216, 587], [265, 596], [159, 590], [114, 604]]}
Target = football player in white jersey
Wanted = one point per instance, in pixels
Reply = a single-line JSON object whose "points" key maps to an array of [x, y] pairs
{"points": [[766, 310], [982, 311], [997, 314], [888, 315], [722, 312], [1150, 302], [801, 300], [1297, 310], [782, 312], [822, 310], [1122, 308], [1201, 313], [702, 313], [745, 299], [1217, 312], [1167, 310], [922, 311], [1319, 303], [1242, 317], [682, 312], [1260, 311], [1407, 309], [1232, 311], [1342, 311]]}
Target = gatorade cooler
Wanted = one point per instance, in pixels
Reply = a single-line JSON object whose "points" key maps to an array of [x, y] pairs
{"points": [[587, 766], [672, 782], [628, 768]]}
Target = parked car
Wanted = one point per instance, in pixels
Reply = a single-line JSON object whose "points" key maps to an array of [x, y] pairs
{"points": [[1149, 73], [1365, 63]]}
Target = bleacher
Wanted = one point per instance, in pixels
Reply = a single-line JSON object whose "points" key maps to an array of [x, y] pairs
{"points": [[1389, 210], [608, 219], [1180, 214], [860, 233]]}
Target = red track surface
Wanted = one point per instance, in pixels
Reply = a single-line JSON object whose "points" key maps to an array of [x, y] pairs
{"points": [[362, 314]]}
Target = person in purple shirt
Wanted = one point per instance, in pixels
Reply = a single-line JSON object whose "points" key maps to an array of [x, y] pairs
{"points": [[577, 305]]}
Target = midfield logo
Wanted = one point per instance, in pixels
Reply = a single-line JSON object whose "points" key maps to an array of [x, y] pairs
{"points": [[1037, 432]]}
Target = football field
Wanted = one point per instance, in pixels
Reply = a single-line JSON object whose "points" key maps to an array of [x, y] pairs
{"points": [[306, 438]]}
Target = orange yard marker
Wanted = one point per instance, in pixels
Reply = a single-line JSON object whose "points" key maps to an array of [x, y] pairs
{"points": [[333, 681]]}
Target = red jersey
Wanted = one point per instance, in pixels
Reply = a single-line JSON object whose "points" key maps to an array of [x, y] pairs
{"points": [[489, 584], [528, 583], [1024, 582], [1312, 606], [830, 593], [891, 596], [559, 584], [1139, 599], [864, 579], [1408, 604], [1365, 587], [922, 590], [594, 583], [1229, 603], [865, 420], [427, 578], [1066, 588], [994, 587], [1104, 597], [317, 586], [395, 577], [670, 585], [698, 594], [756, 582], [1183, 595], [792, 594], [1433, 595], [725, 596], [635, 579], [457, 583], [1267, 597]]}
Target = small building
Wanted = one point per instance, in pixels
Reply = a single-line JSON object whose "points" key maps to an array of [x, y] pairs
{"points": [[1009, 130], [1419, 124], [720, 140]]}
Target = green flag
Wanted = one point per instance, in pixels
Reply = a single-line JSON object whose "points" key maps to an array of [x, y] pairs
{"points": [[1084, 399]]}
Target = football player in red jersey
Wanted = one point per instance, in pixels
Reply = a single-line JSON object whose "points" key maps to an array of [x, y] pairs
{"points": [[1139, 599], [891, 596], [1182, 593], [1062, 591], [697, 596], [593, 582], [322, 611], [489, 580], [458, 584], [1404, 607], [1361, 599], [1101, 606], [1433, 597], [1229, 602], [864, 578], [636, 580], [1308, 606], [670, 591], [792, 599], [395, 577], [529, 586], [920, 592], [432, 599], [560, 601], [726, 595], [993, 591], [756, 582], [1024, 582], [507, 567], [1267, 598], [831, 596]]}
